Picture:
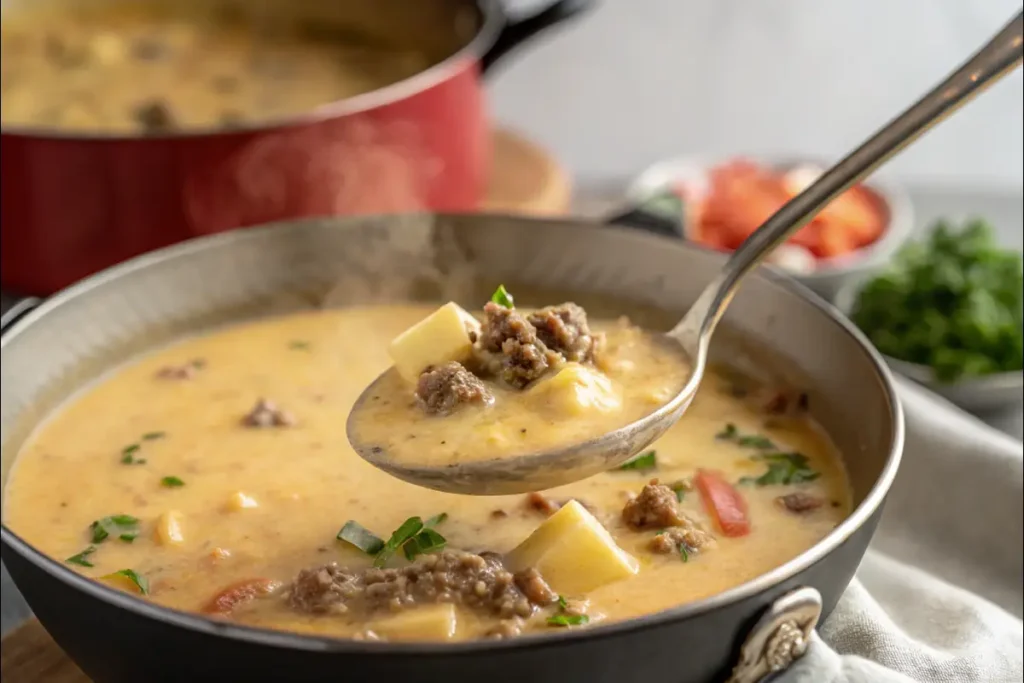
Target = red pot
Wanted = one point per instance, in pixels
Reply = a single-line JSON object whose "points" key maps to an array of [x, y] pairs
{"points": [[74, 204]]}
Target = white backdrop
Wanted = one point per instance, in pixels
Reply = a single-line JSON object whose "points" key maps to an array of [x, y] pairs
{"points": [[637, 80]]}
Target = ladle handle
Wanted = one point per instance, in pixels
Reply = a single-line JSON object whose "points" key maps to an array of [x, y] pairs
{"points": [[999, 56]]}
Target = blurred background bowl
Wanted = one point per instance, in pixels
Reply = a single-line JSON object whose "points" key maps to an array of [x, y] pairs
{"points": [[828, 275], [980, 394]]}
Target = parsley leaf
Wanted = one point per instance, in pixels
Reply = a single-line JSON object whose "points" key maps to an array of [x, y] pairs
{"points": [[503, 298], [562, 618], [140, 582], [81, 559], [124, 527], [356, 534], [783, 468], [645, 461], [172, 482]]}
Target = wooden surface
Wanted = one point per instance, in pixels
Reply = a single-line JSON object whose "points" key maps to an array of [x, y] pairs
{"points": [[29, 655], [525, 180]]}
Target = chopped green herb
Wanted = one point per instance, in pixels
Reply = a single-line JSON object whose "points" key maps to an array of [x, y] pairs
{"points": [[299, 345], [81, 559], [356, 534], [117, 525], [679, 491], [153, 436], [403, 533], [503, 298], [198, 363], [140, 581], [645, 461], [171, 482], [756, 441], [729, 433], [128, 453], [435, 520], [684, 552], [563, 619], [783, 468], [426, 541]]}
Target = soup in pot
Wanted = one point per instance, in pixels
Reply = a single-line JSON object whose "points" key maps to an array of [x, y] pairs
{"points": [[215, 476], [131, 67]]}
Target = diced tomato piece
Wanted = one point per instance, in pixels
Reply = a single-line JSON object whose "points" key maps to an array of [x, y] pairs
{"points": [[239, 593], [723, 502]]}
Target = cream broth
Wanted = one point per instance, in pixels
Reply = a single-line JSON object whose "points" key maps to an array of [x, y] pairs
{"points": [[154, 68], [634, 375], [217, 502]]}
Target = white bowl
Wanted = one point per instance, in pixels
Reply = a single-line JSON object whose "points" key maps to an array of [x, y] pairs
{"points": [[829, 274], [983, 394]]}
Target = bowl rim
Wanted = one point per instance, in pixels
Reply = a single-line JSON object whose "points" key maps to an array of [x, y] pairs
{"points": [[899, 228], [491, 22], [192, 621], [1005, 380]]}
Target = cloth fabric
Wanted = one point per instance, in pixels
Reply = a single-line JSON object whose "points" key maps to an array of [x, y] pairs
{"points": [[938, 597]]}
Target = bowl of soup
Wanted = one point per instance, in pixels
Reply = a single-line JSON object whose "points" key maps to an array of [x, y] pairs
{"points": [[177, 478], [128, 125]]}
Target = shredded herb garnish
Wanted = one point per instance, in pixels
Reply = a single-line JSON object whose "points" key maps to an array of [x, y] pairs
{"points": [[563, 619], [680, 492], [171, 482], [128, 453], [124, 527], [153, 436], [645, 461], [140, 581], [684, 552], [783, 468], [81, 559], [503, 298], [356, 534], [413, 537], [731, 433], [299, 345]]}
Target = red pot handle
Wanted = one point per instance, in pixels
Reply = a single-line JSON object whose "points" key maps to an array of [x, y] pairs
{"points": [[519, 30]]}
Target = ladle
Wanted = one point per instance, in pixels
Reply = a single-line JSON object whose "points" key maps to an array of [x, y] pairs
{"points": [[692, 335]]}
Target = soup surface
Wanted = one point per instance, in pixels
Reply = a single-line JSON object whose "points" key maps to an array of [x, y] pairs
{"points": [[215, 476], [155, 68]]}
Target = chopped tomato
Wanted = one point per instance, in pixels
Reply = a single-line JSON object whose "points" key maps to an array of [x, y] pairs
{"points": [[239, 593], [724, 502]]}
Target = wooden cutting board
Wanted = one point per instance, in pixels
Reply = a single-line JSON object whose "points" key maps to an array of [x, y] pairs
{"points": [[525, 179]]}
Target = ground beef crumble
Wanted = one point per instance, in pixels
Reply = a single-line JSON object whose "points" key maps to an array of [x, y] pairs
{"points": [[549, 506], [509, 347], [475, 581], [800, 502], [266, 414], [442, 389], [655, 508], [564, 329], [672, 540]]}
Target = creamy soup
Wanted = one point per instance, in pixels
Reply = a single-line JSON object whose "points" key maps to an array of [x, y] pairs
{"points": [[151, 68], [215, 476], [523, 382]]}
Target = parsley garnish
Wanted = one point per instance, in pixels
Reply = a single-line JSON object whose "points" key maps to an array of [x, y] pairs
{"points": [[171, 482], [645, 461], [503, 298], [356, 534], [153, 436], [81, 559], [413, 537], [128, 453], [299, 345], [783, 468], [124, 527], [731, 433], [684, 552], [563, 619], [140, 581]]}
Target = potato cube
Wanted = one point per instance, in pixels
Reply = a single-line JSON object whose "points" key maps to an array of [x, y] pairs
{"points": [[440, 337], [241, 501], [169, 529], [576, 389], [429, 622], [573, 552]]}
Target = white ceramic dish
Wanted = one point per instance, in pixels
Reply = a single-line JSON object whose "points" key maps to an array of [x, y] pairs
{"points": [[976, 394], [829, 275]]}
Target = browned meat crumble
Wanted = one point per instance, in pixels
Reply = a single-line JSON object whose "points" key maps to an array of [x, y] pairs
{"points": [[690, 537], [442, 389], [510, 348], [800, 502], [468, 579], [564, 329], [655, 508], [266, 414]]}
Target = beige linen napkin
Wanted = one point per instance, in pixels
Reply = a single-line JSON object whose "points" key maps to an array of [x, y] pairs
{"points": [[939, 597]]}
